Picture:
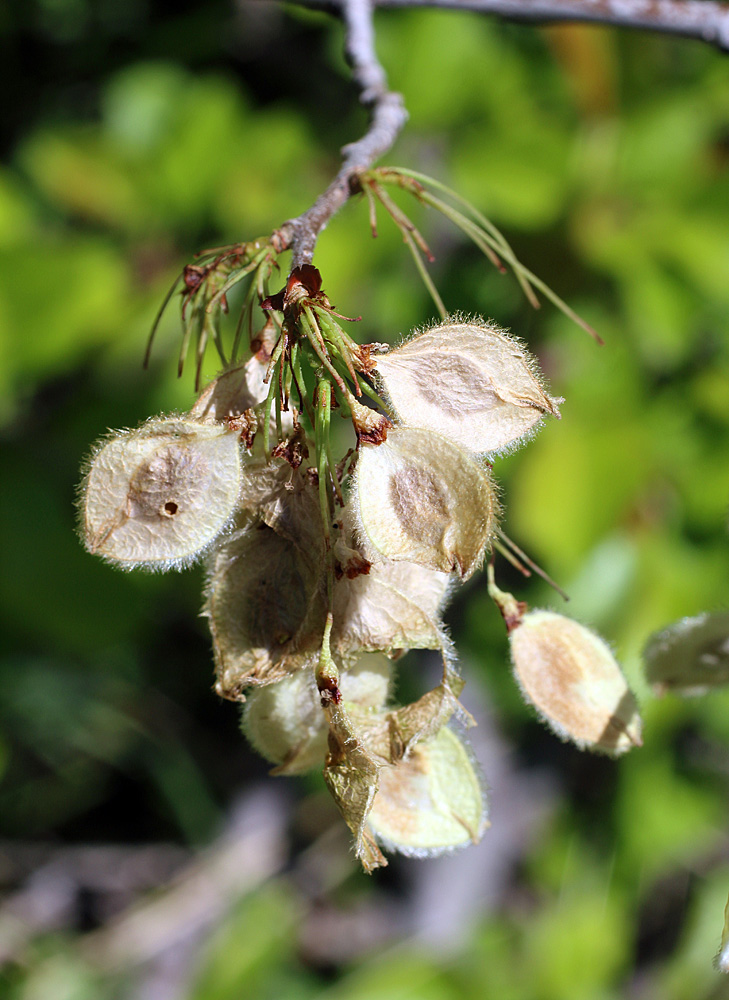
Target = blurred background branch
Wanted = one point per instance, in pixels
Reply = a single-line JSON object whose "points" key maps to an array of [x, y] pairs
{"points": [[705, 20]]}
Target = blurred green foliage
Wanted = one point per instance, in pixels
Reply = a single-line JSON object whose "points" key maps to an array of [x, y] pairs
{"points": [[604, 157]]}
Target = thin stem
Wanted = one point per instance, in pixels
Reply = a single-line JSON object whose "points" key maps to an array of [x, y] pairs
{"points": [[388, 117], [369, 391], [327, 674], [313, 335], [338, 339], [482, 220], [323, 411], [237, 276], [372, 207], [511, 558], [195, 318], [246, 311], [511, 544], [267, 412], [427, 280], [157, 318], [401, 219]]}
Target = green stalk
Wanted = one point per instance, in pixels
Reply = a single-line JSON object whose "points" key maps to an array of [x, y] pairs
{"points": [[298, 375], [158, 317], [217, 336], [195, 319], [499, 240], [267, 417], [337, 338], [327, 674], [401, 219], [246, 311], [321, 436], [237, 276], [314, 337], [524, 276], [369, 391]]}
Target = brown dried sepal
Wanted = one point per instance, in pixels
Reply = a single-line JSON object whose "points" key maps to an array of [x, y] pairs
{"points": [[349, 562], [302, 283], [370, 426], [293, 449], [351, 773], [245, 427], [511, 610]]}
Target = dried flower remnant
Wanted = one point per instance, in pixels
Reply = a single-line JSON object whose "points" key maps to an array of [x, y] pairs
{"points": [[419, 498], [351, 772], [431, 802], [689, 657], [569, 675], [470, 382], [158, 496]]}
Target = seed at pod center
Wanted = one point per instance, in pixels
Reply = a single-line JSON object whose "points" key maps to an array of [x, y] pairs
{"points": [[457, 389], [420, 504], [171, 468]]}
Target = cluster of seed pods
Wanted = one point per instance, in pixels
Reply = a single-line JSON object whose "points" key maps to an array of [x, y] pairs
{"points": [[321, 574]]}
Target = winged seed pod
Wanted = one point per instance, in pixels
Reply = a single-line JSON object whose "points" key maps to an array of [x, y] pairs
{"points": [[468, 381], [431, 802], [285, 722], [420, 498], [238, 389], [158, 496], [721, 962], [691, 656], [266, 606], [393, 607], [572, 679]]}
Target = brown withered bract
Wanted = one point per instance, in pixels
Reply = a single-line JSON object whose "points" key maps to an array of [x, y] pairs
{"points": [[569, 675], [470, 382]]}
